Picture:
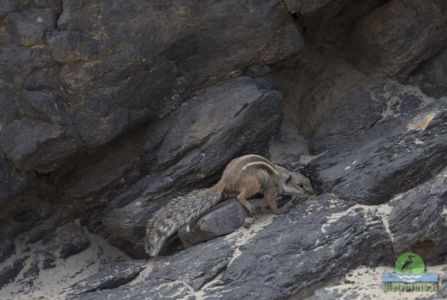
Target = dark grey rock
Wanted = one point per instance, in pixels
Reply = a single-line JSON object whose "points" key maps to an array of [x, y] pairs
{"points": [[350, 115], [108, 75], [46, 3], [11, 181], [299, 257], [42, 80], [302, 7], [417, 222], [155, 71], [24, 219], [37, 145], [10, 272], [397, 36], [294, 252], [48, 260], [78, 16], [29, 27], [6, 6], [72, 46], [73, 247], [109, 109], [42, 105], [7, 246], [9, 110], [108, 277], [231, 118], [5, 36], [403, 148], [31, 272], [224, 219], [176, 275], [165, 291], [68, 240], [432, 77], [23, 60], [42, 231]]}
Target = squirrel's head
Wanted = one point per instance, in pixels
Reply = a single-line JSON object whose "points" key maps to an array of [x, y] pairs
{"points": [[295, 183]]}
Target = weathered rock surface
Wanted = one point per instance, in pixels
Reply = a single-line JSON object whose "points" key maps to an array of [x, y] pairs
{"points": [[305, 7], [10, 272], [432, 77], [395, 37], [224, 219], [65, 261], [74, 76], [417, 219], [108, 277], [109, 109], [401, 143], [211, 129], [275, 258], [67, 241]]}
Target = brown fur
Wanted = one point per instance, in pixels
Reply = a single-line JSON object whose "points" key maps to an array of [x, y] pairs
{"points": [[243, 177], [260, 177]]}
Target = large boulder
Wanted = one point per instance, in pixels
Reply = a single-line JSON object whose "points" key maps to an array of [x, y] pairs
{"points": [[221, 220], [74, 76], [417, 219], [398, 143], [303, 7], [109, 276], [275, 258], [432, 77], [397, 36], [64, 256], [193, 146], [110, 109]]}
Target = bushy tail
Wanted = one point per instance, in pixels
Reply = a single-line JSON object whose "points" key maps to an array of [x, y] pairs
{"points": [[175, 214]]}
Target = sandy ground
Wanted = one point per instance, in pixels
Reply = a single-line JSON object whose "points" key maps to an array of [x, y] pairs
{"points": [[365, 283], [361, 283], [51, 283]]}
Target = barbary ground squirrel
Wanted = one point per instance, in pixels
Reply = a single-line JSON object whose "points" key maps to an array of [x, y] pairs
{"points": [[243, 177]]}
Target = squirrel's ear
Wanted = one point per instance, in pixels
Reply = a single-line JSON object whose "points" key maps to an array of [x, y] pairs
{"points": [[289, 177]]}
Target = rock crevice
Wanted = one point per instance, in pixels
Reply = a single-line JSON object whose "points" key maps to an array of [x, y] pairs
{"points": [[110, 109]]}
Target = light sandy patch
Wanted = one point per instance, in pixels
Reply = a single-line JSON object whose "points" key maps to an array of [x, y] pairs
{"points": [[421, 123], [243, 235], [368, 210], [394, 92], [366, 283], [384, 211], [51, 283], [147, 270]]}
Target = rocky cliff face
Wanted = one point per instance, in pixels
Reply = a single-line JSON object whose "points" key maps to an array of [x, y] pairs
{"points": [[109, 109]]}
